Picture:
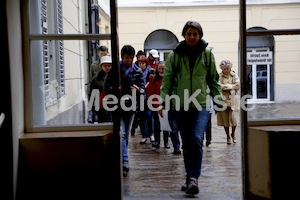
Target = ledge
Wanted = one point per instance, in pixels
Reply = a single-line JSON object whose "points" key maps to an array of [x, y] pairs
{"points": [[106, 134]]}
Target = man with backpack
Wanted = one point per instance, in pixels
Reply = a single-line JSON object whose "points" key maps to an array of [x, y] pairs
{"points": [[186, 74]]}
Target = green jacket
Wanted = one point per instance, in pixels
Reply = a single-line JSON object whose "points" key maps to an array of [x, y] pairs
{"points": [[180, 74]]}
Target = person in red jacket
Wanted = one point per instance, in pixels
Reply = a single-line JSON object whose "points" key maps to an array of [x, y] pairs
{"points": [[154, 89], [153, 58], [145, 115]]}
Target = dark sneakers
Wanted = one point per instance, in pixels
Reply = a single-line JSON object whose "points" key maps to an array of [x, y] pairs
{"points": [[191, 186], [132, 131], [177, 152], [155, 145], [208, 143]]}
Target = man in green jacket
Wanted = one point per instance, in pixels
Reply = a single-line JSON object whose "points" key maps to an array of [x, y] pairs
{"points": [[191, 77]]}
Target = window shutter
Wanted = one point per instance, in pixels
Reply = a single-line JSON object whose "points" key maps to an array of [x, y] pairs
{"points": [[45, 50], [60, 72], [53, 51]]}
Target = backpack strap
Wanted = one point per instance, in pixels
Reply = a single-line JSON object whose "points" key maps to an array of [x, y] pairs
{"points": [[175, 69], [207, 58], [176, 61], [207, 61]]}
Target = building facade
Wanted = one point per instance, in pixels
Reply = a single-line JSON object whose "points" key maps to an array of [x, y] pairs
{"points": [[272, 61]]}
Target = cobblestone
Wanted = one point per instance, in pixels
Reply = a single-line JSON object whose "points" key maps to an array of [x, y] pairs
{"points": [[159, 174]]}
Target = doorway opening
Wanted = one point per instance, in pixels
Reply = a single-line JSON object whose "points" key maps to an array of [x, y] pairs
{"points": [[260, 68]]}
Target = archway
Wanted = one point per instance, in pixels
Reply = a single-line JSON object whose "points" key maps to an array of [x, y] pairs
{"points": [[162, 40]]}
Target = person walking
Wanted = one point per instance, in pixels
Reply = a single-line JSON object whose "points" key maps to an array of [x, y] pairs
{"points": [[132, 81], [154, 89], [98, 84], [186, 74], [95, 68], [230, 85], [144, 115], [153, 58], [138, 54], [137, 119]]}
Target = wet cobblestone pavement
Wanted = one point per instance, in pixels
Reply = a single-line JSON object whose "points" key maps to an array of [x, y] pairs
{"points": [[159, 174]]}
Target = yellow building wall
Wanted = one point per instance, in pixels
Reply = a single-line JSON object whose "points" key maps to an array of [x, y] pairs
{"points": [[220, 25]]}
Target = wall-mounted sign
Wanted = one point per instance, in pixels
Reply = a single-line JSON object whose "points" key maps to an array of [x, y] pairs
{"points": [[259, 58]]}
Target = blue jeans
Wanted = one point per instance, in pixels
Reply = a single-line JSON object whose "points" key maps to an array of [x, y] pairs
{"points": [[126, 124], [192, 127], [147, 122]]}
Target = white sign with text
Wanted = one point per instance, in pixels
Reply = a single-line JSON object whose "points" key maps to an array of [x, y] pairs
{"points": [[259, 58]]}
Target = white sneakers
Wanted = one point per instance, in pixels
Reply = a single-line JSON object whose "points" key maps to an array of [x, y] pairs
{"points": [[152, 138]]}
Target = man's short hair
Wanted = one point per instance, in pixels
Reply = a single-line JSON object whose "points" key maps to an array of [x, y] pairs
{"points": [[127, 49], [140, 52], [103, 48], [192, 24]]}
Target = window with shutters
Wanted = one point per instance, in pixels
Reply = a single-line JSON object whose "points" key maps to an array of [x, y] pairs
{"points": [[58, 55], [53, 55]]}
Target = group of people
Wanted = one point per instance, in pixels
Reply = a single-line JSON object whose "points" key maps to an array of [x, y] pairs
{"points": [[147, 119], [97, 76], [185, 72]]}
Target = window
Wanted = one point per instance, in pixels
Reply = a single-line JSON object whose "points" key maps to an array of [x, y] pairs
{"points": [[58, 54], [259, 68]]}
